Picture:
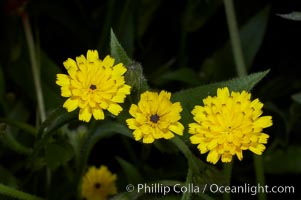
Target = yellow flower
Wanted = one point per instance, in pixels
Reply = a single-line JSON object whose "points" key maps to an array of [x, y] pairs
{"points": [[93, 85], [155, 117], [228, 124], [98, 184]]}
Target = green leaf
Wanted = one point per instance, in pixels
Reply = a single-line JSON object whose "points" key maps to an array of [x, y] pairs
{"points": [[221, 63], [199, 172], [134, 75], [197, 13], [146, 12], [57, 154], [283, 161], [252, 35], [22, 77], [118, 52], [127, 196], [190, 179], [202, 173], [17, 194], [51, 91], [76, 140], [132, 173], [2, 83], [194, 96], [184, 75], [164, 146], [296, 16], [12, 143], [7, 177], [125, 26], [297, 97], [55, 120], [135, 78], [21, 125]]}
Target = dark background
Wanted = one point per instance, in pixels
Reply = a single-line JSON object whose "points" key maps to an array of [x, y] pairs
{"points": [[173, 41]]}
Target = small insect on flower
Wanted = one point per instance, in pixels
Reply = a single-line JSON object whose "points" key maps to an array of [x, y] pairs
{"points": [[155, 117], [227, 124], [93, 85], [98, 184]]}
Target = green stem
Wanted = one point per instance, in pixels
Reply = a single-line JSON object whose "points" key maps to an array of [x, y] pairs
{"points": [[241, 70], [228, 173], [48, 180], [192, 165], [186, 151], [34, 65], [11, 192], [259, 173], [235, 39], [187, 195], [14, 145], [36, 76], [23, 126]]}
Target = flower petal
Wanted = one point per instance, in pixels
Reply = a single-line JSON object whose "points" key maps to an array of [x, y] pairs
{"points": [[152, 122], [213, 157], [148, 139], [62, 80], [108, 61], [263, 122], [85, 114], [226, 125], [71, 104], [70, 65], [93, 85], [98, 113], [115, 109], [92, 56], [177, 128], [138, 135], [118, 70]]}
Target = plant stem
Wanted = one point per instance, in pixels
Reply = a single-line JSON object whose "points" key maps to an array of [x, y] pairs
{"points": [[187, 195], [227, 173], [36, 78], [23, 126], [13, 144], [187, 153], [11, 192], [34, 65], [241, 71], [259, 173], [235, 39]]}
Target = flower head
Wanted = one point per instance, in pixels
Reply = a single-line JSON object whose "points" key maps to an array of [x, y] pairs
{"points": [[227, 124], [155, 117], [98, 184], [93, 85]]}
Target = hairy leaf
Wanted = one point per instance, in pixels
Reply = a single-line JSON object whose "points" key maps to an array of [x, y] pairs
{"points": [[118, 52], [194, 96]]}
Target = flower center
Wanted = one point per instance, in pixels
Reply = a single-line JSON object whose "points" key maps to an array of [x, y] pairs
{"points": [[229, 130], [97, 185], [92, 87], [154, 118]]}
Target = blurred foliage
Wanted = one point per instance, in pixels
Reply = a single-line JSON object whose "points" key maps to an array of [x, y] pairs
{"points": [[180, 46]]}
